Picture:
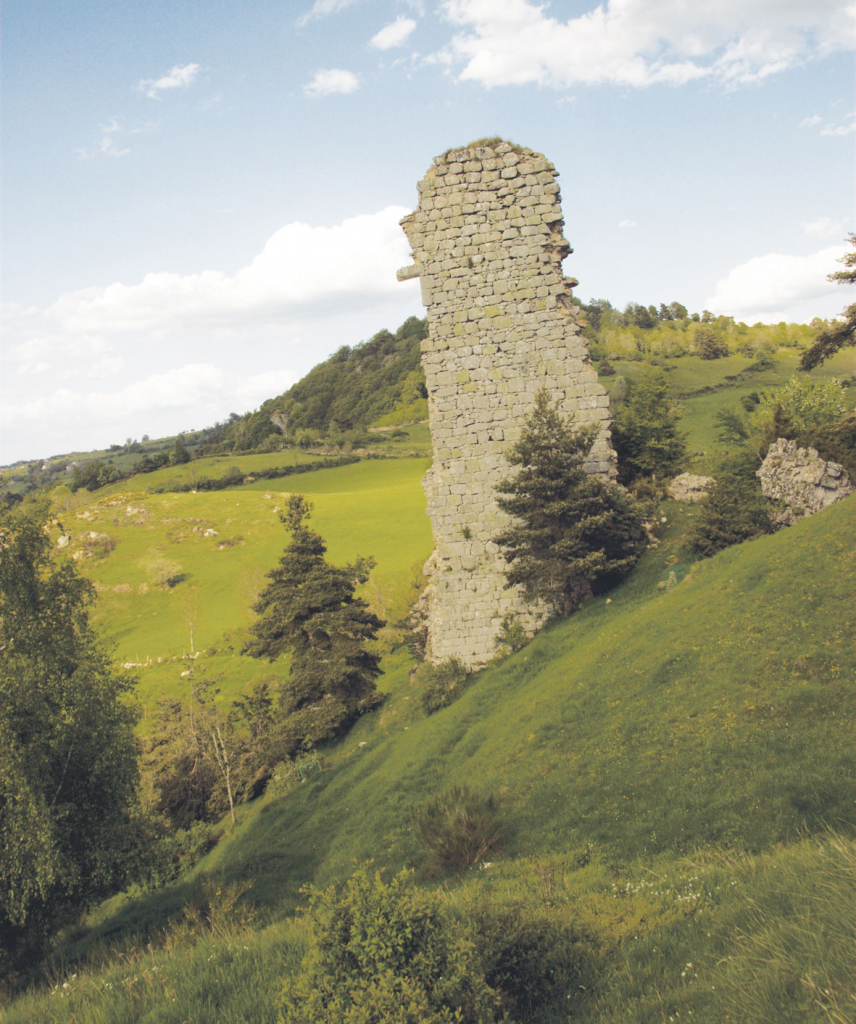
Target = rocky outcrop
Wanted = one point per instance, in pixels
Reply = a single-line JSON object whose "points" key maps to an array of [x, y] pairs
{"points": [[801, 479], [280, 421], [488, 248], [689, 487]]}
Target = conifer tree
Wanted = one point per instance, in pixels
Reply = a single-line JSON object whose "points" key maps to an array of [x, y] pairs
{"points": [[733, 511], [571, 531], [308, 609], [180, 454], [840, 333], [645, 433]]}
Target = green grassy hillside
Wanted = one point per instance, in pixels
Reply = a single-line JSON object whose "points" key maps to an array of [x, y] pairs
{"points": [[656, 757], [703, 387], [719, 712], [659, 759]]}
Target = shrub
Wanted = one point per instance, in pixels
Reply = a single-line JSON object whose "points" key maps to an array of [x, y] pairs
{"points": [[511, 636], [605, 368], [173, 851], [98, 545], [441, 684], [383, 953], [764, 362], [458, 828], [531, 957], [733, 511]]}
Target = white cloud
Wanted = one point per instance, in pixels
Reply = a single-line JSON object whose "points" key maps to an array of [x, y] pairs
{"points": [[302, 271], [627, 223], [329, 81], [774, 284], [41, 353], [178, 78], [106, 145], [642, 42], [823, 227], [323, 8], [845, 127], [12, 311], [848, 126], [393, 34], [194, 386]]}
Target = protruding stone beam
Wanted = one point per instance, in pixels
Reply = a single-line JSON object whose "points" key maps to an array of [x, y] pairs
{"points": [[415, 270], [408, 273]]}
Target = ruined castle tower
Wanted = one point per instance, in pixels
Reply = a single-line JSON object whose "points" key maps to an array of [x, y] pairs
{"points": [[488, 247]]}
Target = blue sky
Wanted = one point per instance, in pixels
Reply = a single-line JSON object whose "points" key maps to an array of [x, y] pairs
{"points": [[200, 199]]}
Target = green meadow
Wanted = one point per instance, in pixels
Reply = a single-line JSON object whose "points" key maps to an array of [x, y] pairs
{"points": [[220, 545], [702, 388]]}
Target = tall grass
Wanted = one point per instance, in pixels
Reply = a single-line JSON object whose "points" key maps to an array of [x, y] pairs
{"points": [[711, 938]]}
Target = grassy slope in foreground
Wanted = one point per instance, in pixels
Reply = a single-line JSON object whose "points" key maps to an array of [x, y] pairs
{"points": [[718, 712]]}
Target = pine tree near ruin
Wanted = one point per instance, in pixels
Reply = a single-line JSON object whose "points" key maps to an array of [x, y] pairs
{"points": [[572, 533], [308, 609]]}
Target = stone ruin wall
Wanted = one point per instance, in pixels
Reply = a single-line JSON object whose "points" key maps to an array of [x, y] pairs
{"points": [[488, 248]]}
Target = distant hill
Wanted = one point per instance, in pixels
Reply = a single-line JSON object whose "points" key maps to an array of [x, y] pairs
{"points": [[379, 379]]}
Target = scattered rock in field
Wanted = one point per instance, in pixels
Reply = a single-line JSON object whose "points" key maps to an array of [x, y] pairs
{"points": [[689, 487], [801, 479], [650, 535], [63, 541], [209, 533]]}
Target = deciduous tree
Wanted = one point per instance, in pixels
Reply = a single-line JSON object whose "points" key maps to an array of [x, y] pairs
{"points": [[70, 826], [180, 454]]}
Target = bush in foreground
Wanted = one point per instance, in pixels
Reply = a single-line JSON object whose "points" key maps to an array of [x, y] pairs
{"points": [[384, 953]]}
